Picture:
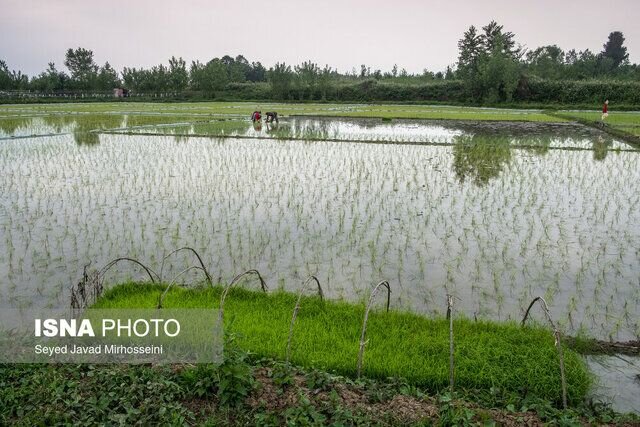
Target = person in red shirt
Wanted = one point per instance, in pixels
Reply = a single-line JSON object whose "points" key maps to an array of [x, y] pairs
{"points": [[605, 111]]}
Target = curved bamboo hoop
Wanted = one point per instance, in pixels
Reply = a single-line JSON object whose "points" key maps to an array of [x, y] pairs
{"points": [[450, 317], [186, 248], [558, 343], [297, 308], [149, 271], [173, 282], [366, 318], [233, 282], [80, 289], [80, 295]]}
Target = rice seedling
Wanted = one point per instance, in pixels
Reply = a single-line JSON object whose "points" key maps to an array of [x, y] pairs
{"points": [[399, 343]]}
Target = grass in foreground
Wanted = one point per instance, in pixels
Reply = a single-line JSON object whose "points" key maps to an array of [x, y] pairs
{"points": [[401, 345]]}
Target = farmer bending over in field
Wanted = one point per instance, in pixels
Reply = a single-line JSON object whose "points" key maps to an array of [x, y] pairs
{"points": [[605, 111], [271, 116], [256, 116]]}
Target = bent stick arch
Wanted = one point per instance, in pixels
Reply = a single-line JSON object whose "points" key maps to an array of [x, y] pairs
{"points": [[366, 318], [297, 308], [558, 343]]}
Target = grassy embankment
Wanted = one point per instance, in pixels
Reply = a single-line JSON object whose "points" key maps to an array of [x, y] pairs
{"points": [[625, 125], [400, 344]]}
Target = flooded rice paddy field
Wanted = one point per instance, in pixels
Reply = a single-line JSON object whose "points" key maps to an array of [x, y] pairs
{"points": [[540, 136], [244, 109], [494, 213], [618, 381]]}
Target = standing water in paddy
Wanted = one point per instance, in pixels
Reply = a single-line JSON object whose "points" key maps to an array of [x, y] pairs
{"points": [[457, 208]]}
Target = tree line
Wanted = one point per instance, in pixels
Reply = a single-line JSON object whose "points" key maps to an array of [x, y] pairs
{"points": [[491, 68]]}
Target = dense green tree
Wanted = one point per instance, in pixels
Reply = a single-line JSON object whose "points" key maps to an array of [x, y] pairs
{"points": [[615, 50], [132, 78], [495, 38], [587, 64], [12, 79], [571, 57], [157, 79], [178, 75], [20, 81], [280, 77], [196, 75], [324, 81], [82, 67], [107, 78], [489, 63], [227, 60], [307, 78], [547, 62], [5, 76], [497, 76], [257, 73], [154, 80], [470, 47], [239, 69], [449, 75], [215, 76], [49, 80]]}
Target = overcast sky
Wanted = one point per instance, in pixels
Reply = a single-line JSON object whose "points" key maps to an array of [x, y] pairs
{"points": [[415, 34]]}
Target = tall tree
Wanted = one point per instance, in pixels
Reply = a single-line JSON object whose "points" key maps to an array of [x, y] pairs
{"points": [[107, 78], [80, 64], [365, 71], [280, 77], [12, 79], [178, 76], [307, 74], [470, 47], [196, 75], [132, 78], [324, 81], [495, 37], [615, 50], [497, 76], [257, 72], [216, 76], [160, 78], [547, 62], [5, 76], [239, 70], [448, 75]]}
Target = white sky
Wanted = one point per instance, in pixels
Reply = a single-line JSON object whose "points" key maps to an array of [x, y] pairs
{"points": [[415, 34]]}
